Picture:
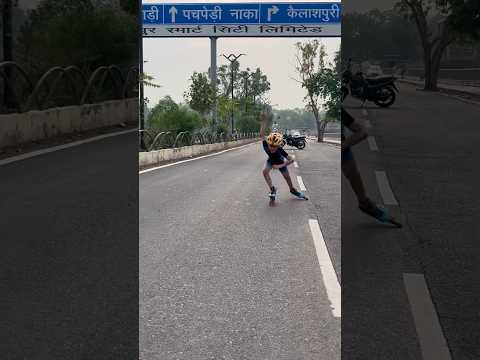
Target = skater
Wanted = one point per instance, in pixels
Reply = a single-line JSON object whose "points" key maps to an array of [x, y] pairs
{"points": [[350, 170], [277, 159]]}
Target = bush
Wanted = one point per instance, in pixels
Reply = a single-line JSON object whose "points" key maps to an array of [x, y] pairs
{"points": [[222, 128], [176, 120], [247, 124]]}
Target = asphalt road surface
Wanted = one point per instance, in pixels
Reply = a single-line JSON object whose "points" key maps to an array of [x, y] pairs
{"points": [[426, 147], [225, 276], [69, 233]]}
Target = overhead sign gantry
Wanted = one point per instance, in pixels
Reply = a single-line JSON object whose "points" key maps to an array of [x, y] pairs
{"points": [[242, 20]]}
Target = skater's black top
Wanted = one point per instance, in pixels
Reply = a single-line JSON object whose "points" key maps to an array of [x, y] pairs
{"points": [[275, 158], [347, 120]]}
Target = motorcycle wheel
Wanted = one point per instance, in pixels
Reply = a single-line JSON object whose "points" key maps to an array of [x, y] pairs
{"points": [[388, 98], [301, 145]]}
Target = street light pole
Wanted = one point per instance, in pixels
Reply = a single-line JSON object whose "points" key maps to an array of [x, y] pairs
{"points": [[141, 83], [233, 103], [7, 48], [247, 76], [213, 77], [232, 58]]}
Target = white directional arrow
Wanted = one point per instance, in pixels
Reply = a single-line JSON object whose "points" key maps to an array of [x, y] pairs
{"points": [[173, 12], [272, 11]]}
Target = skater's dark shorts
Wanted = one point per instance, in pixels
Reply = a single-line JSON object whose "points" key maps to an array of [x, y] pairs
{"points": [[269, 165], [347, 155]]}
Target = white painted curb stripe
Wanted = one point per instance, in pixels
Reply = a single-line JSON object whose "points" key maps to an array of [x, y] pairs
{"points": [[61, 147], [330, 279], [295, 164], [197, 158], [432, 340], [301, 184], [384, 187], [372, 143]]}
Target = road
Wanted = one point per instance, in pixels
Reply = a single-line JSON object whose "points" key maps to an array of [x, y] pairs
{"points": [[69, 231], [225, 276], [426, 146]]}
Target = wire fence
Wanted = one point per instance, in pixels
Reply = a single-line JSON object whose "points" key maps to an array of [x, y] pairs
{"points": [[63, 86], [157, 140]]}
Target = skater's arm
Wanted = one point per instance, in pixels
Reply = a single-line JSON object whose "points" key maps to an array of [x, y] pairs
{"points": [[289, 158], [289, 161], [359, 134]]}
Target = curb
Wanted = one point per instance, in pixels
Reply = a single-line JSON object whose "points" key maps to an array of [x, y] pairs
{"points": [[446, 92]]}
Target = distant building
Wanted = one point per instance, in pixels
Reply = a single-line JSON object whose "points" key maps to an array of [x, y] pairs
{"points": [[462, 55]]}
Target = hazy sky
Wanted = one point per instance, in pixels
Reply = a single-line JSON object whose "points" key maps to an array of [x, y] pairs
{"points": [[173, 61], [367, 5]]}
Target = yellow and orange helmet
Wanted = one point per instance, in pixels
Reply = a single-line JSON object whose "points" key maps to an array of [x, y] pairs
{"points": [[275, 139]]}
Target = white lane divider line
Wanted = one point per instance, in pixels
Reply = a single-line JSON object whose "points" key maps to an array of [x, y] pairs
{"points": [[188, 160], [384, 187], [329, 276], [301, 184], [372, 143], [432, 340], [62, 147], [295, 164]]}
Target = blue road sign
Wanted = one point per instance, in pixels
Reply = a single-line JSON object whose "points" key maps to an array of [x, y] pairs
{"points": [[152, 14], [241, 14], [298, 13]]}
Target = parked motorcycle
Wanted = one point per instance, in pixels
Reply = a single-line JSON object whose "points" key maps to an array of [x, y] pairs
{"points": [[380, 90], [297, 141]]}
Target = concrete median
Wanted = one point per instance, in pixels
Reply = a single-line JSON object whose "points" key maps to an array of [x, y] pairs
{"points": [[17, 129], [152, 158]]}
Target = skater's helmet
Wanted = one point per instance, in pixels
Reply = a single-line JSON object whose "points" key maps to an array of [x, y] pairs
{"points": [[275, 139]]}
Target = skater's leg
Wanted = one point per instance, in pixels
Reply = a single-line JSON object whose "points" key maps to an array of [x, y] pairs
{"points": [[288, 179], [266, 175], [350, 170]]}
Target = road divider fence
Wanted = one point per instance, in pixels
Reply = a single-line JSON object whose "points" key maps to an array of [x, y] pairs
{"points": [[193, 147]]}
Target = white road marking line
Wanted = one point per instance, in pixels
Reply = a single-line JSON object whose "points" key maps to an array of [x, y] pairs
{"points": [[332, 141], [301, 184], [384, 187], [330, 279], [372, 143], [364, 112], [432, 340], [295, 164], [61, 147], [368, 124], [188, 160]]}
